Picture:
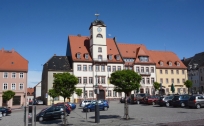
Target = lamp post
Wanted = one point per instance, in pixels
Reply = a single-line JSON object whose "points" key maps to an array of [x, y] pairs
{"points": [[97, 119]]}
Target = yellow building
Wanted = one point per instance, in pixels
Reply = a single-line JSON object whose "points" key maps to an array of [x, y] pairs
{"points": [[170, 70]]}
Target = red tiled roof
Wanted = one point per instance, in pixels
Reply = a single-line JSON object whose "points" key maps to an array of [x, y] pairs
{"points": [[30, 91], [12, 61], [165, 57]]}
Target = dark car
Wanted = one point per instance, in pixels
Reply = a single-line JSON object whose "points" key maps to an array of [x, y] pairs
{"points": [[196, 101], [165, 101], [91, 107], [67, 107], [51, 113], [180, 100], [5, 111]]}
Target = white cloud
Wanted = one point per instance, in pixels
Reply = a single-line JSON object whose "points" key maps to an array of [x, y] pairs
{"points": [[34, 77]]}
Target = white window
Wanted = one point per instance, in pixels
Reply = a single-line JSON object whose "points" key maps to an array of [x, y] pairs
{"points": [[97, 68], [5, 86], [103, 68], [110, 57], [147, 69], [170, 64], [161, 80], [78, 55], [152, 69], [90, 80], [178, 64], [79, 80], [137, 69], [90, 68], [13, 86], [84, 67], [103, 80], [119, 67], [100, 57], [85, 80], [114, 68], [148, 81], [161, 63], [99, 49], [178, 81], [143, 80], [5, 74], [142, 69], [21, 75], [114, 94], [13, 75], [21, 87], [118, 57], [109, 93], [78, 67], [109, 68], [86, 56], [177, 71], [91, 93], [167, 80], [152, 80]]}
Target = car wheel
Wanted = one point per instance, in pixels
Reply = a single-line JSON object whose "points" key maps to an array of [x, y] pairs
{"points": [[138, 102], [167, 104], [105, 108], [62, 116], [198, 106], [182, 104], [40, 119], [153, 103], [4, 114]]}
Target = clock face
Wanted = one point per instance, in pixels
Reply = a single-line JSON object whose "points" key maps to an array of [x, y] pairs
{"points": [[99, 29]]}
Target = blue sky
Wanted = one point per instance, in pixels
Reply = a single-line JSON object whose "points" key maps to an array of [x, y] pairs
{"points": [[38, 29]]}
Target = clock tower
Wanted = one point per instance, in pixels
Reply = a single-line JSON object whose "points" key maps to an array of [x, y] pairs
{"points": [[98, 47]]}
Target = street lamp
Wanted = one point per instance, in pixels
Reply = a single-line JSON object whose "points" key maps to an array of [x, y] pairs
{"points": [[97, 119]]}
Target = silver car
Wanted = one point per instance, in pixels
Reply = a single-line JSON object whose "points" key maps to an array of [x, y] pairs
{"points": [[196, 101], [86, 102]]}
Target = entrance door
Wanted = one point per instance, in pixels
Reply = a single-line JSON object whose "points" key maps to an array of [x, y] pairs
{"points": [[101, 94], [141, 90]]}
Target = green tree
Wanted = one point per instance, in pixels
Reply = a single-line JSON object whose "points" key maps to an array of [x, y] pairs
{"points": [[64, 85], [52, 94], [125, 81], [188, 84], [7, 95], [78, 92], [156, 86]]}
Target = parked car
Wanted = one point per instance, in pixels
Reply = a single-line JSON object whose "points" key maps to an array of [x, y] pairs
{"points": [[5, 111], [85, 102], [37, 102], [72, 105], [180, 100], [91, 107], [143, 98], [136, 98], [196, 101], [152, 100], [67, 106], [165, 101], [105, 103], [55, 111], [0, 115]]}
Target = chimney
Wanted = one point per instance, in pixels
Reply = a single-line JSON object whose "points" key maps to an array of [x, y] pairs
{"points": [[54, 54], [79, 35], [12, 50], [184, 58]]}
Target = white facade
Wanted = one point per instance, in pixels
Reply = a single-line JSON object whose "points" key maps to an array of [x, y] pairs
{"points": [[37, 90]]}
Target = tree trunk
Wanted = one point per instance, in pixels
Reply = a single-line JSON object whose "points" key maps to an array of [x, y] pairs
{"points": [[188, 90], [65, 119], [52, 101], [126, 116]]}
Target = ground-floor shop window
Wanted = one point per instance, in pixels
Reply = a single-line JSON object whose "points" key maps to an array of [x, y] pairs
{"points": [[17, 100]]}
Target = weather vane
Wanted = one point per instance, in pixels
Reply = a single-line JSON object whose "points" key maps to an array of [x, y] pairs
{"points": [[97, 14]]}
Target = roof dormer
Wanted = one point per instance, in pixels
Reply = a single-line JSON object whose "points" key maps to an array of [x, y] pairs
{"points": [[78, 55], [86, 56], [177, 63], [161, 63], [110, 56], [117, 57], [169, 63]]}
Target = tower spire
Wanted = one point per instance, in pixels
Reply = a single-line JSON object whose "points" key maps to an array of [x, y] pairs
{"points": [[97, 14]]}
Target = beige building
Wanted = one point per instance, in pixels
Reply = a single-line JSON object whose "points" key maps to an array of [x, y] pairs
{"points": [[170, 70]]}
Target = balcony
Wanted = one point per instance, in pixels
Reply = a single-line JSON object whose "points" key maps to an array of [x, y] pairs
{"points": [[144, 73], [100, 60]]}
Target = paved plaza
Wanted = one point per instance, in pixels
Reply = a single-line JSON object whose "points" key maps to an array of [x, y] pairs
{"points": [[140, 115]]}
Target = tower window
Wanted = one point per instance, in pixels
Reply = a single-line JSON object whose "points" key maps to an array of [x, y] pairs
{"points": [[100, 57], [99, 49], [99, 36]]}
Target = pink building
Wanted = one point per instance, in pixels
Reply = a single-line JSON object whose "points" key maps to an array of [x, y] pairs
{"points": [[13, 76]]}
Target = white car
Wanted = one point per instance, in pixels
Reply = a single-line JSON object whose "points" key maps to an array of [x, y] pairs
{"points": [[83, 103]]}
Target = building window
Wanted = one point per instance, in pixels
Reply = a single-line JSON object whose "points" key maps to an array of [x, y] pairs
{"points": [[109, 93], [161, 80], [13, 75], [13, 86], [147, 69], [167, 80], [183, 80], [114, 94], [152, 80], [161, 63], [166, 71], [17, 100], [5, 86], [103, 68], [172, 71], [103, 80], [144, 59], [56, 98], [177, 71], [99, 49], [100, 57], [86, 56], [117, 57], [143, 80], [21, 87], [137, 69], [114, 68], [160, 71], [5, 74], [130, 68], [91, 93], [97, 68], [90, 68], [178, 81], [90, 80], [148, 81], [84, 80], [178, 64], [84, 67], [110, 57], [21, 75], [78, 67], [172, 80], [152, 69], [99, 36], [170, 63], [109, 68], [78, 56], [119, 67], [79, 80], [98, 80], [142, 69], [183, 71]]}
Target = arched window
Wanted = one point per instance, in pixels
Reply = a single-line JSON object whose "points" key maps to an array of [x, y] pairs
{"points": [[99, 49], [99, 36], [100, 57]]}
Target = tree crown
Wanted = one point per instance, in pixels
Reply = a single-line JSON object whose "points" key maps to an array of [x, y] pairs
{"points": [[7, 95], [188, 83]]}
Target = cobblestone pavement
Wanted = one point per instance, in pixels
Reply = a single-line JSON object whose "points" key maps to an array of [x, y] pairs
{"points": [[140, 115]]}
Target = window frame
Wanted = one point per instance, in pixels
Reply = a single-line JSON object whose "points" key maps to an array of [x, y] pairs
{"points": [[5, 85], [99, 49], [21, 85], [12, 86], [6, 74], [21, 75]]}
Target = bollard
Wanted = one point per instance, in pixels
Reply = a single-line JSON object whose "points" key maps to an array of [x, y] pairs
{"points": [[97, 119], [32, 115], [25, 116], [35, 115]]}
